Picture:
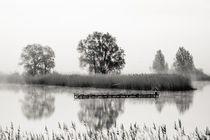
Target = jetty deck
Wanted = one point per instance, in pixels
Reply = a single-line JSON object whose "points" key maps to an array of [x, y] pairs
{"points": [[104, 96]]}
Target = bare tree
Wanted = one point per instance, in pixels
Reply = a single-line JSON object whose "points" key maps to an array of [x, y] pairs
{"points": [[101, 53]]}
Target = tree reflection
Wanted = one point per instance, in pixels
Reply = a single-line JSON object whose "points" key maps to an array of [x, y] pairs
{"points": [[183, 100], [37, 103], [100, 113]]}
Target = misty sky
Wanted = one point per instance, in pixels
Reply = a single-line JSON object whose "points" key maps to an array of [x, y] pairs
{"points": [[140, 26]]}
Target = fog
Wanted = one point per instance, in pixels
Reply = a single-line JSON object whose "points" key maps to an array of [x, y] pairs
{"points": [[140, 27]]}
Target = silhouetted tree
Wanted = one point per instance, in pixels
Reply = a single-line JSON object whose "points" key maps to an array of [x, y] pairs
{"points": [[101, 53], [37, 59], [159, 65], [184, 61]]}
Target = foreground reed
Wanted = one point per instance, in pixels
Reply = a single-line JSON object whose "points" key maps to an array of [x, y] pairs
{"points": [[135, 132]]}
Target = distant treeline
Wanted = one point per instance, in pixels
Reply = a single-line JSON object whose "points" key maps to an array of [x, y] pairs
{"points": [[100, 54], [172, 82], [183, 65], [104, 59]]}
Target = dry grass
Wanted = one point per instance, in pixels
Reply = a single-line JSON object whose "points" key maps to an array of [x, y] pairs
{"points": [[170, 82], [135, 132]]}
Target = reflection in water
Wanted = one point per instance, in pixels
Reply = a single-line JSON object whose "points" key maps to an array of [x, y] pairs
{"points": [[37, 103], [100, 113], [183, 100]]}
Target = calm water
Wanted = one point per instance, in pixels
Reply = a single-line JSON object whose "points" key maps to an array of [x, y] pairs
{"points": [[34, 107]]}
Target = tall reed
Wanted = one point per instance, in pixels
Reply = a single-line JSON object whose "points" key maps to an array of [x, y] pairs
{"points": [[134, 132], [170, 82]]}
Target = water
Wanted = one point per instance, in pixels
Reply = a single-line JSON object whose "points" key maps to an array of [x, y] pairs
{"points": [[34, 107]]}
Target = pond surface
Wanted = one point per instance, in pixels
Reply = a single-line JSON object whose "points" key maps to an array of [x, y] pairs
{"points": [[34, 107]]}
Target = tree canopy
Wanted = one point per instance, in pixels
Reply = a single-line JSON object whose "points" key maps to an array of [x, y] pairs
{"points": [[184, 61], [37, 59], [159, 65], [101, 54]]}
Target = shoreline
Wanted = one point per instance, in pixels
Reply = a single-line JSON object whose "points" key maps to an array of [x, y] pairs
{"points": [[160, 82]]}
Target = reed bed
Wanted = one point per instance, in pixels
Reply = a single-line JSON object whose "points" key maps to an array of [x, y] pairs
{"points": [[134, 132], [170, 82], [12, 78]]}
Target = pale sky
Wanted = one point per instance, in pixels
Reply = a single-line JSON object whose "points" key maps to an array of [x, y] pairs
{"points": [[140, 26]]}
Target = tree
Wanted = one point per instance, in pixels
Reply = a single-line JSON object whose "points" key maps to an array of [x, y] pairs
{"points": [[47, 60], [159, 65], [184, 61], [37, 59], [101, 53]]}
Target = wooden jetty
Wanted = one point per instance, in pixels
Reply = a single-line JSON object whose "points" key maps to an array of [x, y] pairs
{"points": [[104, 96]]}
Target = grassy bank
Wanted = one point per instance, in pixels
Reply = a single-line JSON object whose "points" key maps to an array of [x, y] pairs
{"points": [[203, 78], [135, 132], [137, 82], [170, 82]]}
